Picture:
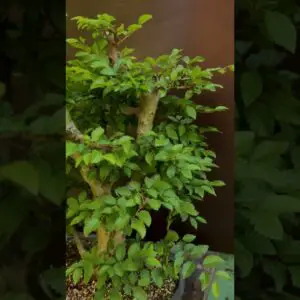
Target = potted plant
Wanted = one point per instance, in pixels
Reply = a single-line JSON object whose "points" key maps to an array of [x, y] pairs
{"points": [[132, 149]]}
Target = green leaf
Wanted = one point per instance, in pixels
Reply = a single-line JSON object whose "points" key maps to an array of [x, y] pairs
{"points": [[145, 217], [295, 157], [268, 151], [281, 30], [73, 203], [267, 224], [194, 223], [100, 294], [174, 75], [120, 252], [118, 269], [139, 226], [108, 71], [123, 191], [133, 28], [91, 225], [22, 173], [171, 133], [189, 208], [179, 260], [161, 185], [101, 62], [251, 87], [223, 274], [188, 269], [258, 243], [210, 190], [144, 18], [111, 158], [215, 289], [149, 158], [171, 236], [88, 270], [115, 295], [97, 134], [295, 274], [134, 250], [260, 119], [153, 262], [244, 259], [277, 271], [199, 250], [77, 274], [191, 112], [55, 278], [211, 261], [154, 204], [152, 192], [109, 200], [244, 142], [70, 148], [157, 277], [145, 279], [96, 157], [130, 265], [121, 222], [187, 173], [188, 238], [133, 278], [205, 280], [280, 204], [139, 293]]}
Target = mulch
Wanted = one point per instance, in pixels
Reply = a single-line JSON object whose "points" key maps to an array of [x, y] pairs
{"points": [[86, 291]]}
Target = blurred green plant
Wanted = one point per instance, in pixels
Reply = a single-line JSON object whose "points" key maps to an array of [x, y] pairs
{"points": [[32, 163], [267, 147]]}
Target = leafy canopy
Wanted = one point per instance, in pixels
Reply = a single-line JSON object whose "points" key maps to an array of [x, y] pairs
{"points": [[133, 148]]}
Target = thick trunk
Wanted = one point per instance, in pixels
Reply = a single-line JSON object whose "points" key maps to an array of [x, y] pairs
{"points": [[148, 108]]}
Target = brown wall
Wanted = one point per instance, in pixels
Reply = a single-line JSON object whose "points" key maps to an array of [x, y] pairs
{"points": [[200, 27]]}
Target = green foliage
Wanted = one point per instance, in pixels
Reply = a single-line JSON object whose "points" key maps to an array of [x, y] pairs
{"points": [[32, 168], [129, 175], [267, 170]]}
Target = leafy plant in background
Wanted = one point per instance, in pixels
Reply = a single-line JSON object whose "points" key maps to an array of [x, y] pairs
{"points": [[32, 171], [133, 148], [267, 176]]}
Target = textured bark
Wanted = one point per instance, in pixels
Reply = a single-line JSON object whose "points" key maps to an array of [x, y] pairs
{"points": [[148, 108]]}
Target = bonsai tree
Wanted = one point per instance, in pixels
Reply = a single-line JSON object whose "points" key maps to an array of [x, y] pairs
{"points": [[132, 148]]}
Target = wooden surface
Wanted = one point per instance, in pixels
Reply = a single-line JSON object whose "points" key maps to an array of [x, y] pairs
{"points": [[200, 27]]}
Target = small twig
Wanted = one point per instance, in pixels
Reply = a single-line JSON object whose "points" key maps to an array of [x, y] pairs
{"points": [[123, 39], [92, 145], [78, 242], [206, 294]]}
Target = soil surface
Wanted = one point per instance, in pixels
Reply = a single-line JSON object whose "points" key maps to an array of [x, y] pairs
{"points": [[86, 291]]}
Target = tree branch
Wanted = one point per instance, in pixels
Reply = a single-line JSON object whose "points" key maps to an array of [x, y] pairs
{"points": [[148, 108], [79, 245]]}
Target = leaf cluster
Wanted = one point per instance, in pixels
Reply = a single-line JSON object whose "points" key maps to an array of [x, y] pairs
{"points": [[267, 147], [128, 176]]}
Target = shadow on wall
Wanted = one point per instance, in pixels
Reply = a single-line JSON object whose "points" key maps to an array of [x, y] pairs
{"points": [[200, 27]]}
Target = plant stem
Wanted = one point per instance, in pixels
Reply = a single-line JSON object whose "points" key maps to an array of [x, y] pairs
{"points": [[96, 187], [148, 108], [79, 245]]}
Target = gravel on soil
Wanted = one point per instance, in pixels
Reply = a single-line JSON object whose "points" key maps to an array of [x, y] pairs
{"points": [[86, 291]]}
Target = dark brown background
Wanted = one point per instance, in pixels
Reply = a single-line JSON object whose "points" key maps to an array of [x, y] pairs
{"points": [[200, 27]]}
